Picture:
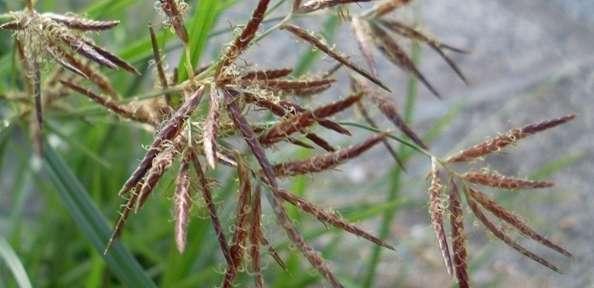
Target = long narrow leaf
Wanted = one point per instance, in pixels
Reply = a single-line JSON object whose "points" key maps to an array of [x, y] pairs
{"points": [[14, 264], [91, 222]]}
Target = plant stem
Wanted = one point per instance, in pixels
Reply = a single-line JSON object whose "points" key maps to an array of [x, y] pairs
{"points": [[395, 175]]}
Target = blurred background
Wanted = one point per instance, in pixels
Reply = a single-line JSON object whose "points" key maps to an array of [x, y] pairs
{"points": [[529, 61]]}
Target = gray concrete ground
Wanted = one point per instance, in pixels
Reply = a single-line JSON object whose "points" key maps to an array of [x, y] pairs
{"points": [[530, 60]]}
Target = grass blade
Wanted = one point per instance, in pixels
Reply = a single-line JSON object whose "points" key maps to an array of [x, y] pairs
{"points": [[14, 264], [91, 222]]}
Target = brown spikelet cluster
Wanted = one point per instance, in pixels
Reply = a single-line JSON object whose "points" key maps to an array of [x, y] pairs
{"points": [[479, 203], [203, 122], [61, 38], [501, 141], [371, 29], [174, 13]]}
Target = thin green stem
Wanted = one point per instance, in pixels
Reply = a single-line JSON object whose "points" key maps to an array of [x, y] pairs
{"points": [[396, 173], [389, 135]]}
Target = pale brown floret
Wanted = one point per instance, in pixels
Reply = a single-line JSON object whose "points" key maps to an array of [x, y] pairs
{"points": [[387, 6], [515, 221], [397, 56], [388, 109], [240, 233], [325, 161], [80, 23], [316, 42], [363, 36], [330, 218], [303, 120], [494, 179], [254, 237], [210, 128], [512, 136], [168, 131], [242, 41], [266, 74], [372, 123], [437, 46], [212, 210], [111, 105], [182, 203], [171, 9], [159, 166], [497, 232], [436, 213], [459, 261], [296, 87], [281, 214]]}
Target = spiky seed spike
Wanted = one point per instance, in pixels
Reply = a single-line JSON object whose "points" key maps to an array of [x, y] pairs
{"points": [[397, 56], [297, 87], [459, 260], [119, 62], [313, 40], [416, 34], [210, 128], [58, 55], [505, 238], [285, 107], [242, 41], [12, 25], [240, 233], [437, 46], [510, 137], [325, 161], [436, 212], [389, 109], [303, 120], [266, 74], [210, 206], [314, 258], [124, 214], [294, 108], [110, 104], [170, 129], [330, 218], [83, 48], [515, 221], [80, 23], [85, 70], [315, 5], [254, 237], [182, 203], [385, 7], [362, 35], [494, 179], [372, 123], [281, 214], [176, 18], [160, 164], [320, 142]]}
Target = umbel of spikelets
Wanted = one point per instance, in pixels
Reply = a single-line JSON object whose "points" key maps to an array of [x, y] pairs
{"points": [[61, 38], [484, 208], [231, 94]]}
